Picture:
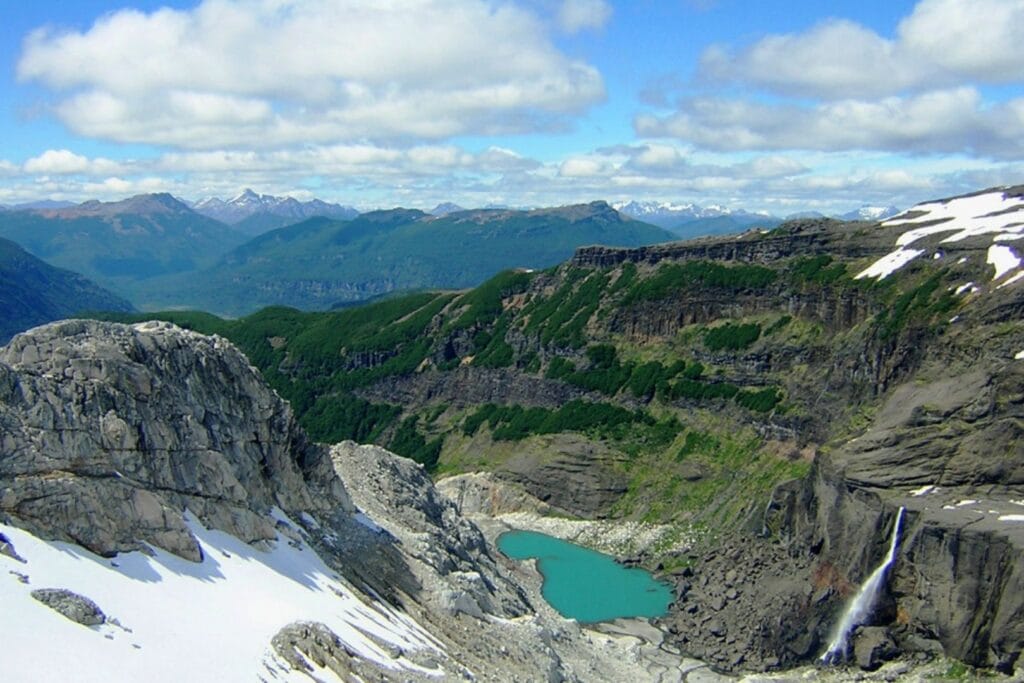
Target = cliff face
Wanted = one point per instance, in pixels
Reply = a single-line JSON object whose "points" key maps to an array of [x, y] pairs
{"points": [[947, 444], [110, 432]]}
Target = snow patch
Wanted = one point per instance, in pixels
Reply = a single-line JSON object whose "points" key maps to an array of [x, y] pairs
{"points": [[890, 263], [182, 620], [989, 213], [964, 216], [1011, 518], [1013, 279], [923, 490], [1003, 258], [963, 288], [1019, 356]]}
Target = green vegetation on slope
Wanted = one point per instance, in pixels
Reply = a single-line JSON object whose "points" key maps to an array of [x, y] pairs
{"points": [[33, 292], [320, 262]]}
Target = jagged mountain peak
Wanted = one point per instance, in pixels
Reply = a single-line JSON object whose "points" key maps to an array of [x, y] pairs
{"points": [[249, 204]]}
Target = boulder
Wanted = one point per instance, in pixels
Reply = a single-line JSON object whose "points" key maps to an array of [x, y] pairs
{"points": [[873, 645], [75, 607]]}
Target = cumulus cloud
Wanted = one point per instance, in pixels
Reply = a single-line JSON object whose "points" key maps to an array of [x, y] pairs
{"points": [[66, 162], [942, 43], [577, 15], [840, 86], [280, 72]]}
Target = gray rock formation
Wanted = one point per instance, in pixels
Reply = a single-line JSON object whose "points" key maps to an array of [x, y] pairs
{"points": [[396, 494], [110, 432], [481, 493], [305, 640], [75, 607]]}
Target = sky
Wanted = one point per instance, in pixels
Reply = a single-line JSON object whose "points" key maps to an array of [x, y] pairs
{"points": [[777, 106]]}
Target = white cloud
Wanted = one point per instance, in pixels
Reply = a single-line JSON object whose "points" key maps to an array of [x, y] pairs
{"points": [[979, 39], [278, 72], [65, 162], [955, 121], [942, 43], [577, 15]]}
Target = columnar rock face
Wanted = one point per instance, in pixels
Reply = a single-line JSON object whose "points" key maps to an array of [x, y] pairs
{"points": [[110, 432]]}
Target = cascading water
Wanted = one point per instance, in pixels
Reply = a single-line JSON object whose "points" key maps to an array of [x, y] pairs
{"points": [[861, 605]]}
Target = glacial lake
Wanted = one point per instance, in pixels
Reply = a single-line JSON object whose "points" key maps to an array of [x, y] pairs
{"points": [[586, 585]]}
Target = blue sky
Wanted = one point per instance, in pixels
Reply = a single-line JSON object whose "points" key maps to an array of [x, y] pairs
{"points": [[779, 106]]}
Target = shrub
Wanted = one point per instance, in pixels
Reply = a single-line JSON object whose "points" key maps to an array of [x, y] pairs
{"points": [[732, 337]]}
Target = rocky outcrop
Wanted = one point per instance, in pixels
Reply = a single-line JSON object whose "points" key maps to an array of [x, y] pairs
{"points": [[303, 642], [449, 553], [75, 607], [110, 432]]}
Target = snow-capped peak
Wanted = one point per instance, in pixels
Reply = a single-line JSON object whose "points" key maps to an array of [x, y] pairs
{"points": [[249, 203]]}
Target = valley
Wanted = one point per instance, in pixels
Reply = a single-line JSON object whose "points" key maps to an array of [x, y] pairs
{"points": [[727, 388], [741, 415]]}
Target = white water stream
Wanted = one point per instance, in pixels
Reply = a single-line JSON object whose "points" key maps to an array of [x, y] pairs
{"points": [[864, 601]]}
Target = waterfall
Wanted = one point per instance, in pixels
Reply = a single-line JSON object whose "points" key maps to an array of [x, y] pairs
{"points": [[863, 602]]}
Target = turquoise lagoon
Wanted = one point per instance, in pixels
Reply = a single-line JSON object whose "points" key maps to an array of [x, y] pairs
{"points": [[586, 585]]}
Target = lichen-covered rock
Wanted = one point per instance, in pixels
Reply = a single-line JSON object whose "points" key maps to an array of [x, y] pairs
{"points": [[109, 432], [75, 607]]}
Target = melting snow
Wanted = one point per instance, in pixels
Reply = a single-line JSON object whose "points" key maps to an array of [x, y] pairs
{"points": [[182, 620], [890, 263], [989, 213], [965, 217], [923, 490], [1003, 258], [1011, 518], [1010, 236], [963, 288]]}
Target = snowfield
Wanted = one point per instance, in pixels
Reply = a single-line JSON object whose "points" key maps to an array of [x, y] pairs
{"points": [[991, 213], [185, 621]]}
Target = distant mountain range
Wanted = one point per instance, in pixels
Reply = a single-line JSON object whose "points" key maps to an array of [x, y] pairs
{"points": [[321, 262], [692, 220], [253, 214], [33, 292], [254, 250], [119, 244]]}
